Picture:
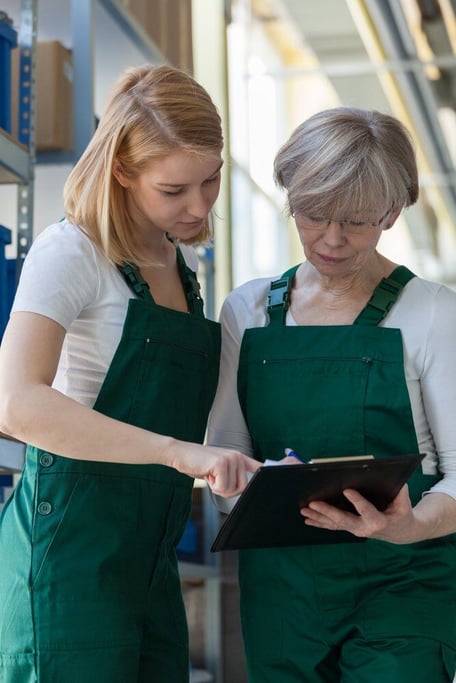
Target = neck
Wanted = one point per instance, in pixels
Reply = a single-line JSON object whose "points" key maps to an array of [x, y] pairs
{"points": [[359, 282], [323, 300], [157, 249]]}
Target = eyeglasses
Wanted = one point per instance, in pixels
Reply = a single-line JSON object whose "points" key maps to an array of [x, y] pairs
{"points": [[321, 223]]}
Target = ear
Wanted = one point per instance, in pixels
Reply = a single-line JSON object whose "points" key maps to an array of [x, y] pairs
{"points": [[118, 173], [392, 217]]}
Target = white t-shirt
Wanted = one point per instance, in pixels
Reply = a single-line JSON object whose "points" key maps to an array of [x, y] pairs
{"points": [[426, 315], [66, 278]]}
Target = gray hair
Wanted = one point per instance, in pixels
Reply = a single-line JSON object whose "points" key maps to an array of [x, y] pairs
{"points": [[347, 163]]}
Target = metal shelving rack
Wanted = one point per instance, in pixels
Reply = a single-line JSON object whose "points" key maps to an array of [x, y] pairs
{"points": [[17, 158], [17, 163]]}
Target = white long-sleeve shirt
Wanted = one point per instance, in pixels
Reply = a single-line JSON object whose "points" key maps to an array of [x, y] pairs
{"points": [[426, 315]]}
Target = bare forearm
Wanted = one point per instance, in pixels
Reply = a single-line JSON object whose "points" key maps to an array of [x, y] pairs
{"points": [[435, 516], [49, 420], [53, 422]]}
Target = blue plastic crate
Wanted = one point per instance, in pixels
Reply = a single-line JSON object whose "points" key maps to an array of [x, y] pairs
{"points": [[11, 265], [8, 41], [5, 279], [188, 546]]}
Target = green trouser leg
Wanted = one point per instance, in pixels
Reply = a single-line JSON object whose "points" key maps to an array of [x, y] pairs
{"points": [[393, 660], [397, 660], [104, 606]]}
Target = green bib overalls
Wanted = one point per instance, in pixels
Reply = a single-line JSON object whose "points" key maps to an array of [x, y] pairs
{"points": [[310, 614], [89, 584]]}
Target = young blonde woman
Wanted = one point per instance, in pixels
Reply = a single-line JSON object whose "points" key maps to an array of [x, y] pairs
{"points": [[108, 369]]}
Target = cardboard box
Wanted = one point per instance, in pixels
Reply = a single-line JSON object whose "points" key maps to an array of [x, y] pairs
{"points": [[169, 25], [54, 97]]}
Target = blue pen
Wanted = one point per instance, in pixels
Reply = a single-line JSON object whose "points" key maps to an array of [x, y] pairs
{"points": [[290, 452]]}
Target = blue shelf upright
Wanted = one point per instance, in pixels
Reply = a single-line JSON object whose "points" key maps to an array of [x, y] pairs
{"points": [[7, 279], [8, 41]]}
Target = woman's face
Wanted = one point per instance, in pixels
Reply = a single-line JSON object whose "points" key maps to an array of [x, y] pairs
{"points": [[175, 194], [337, 249]]}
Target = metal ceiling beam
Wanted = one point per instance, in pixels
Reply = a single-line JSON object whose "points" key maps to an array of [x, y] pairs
{"points": [[417, 92], [362, 67]]}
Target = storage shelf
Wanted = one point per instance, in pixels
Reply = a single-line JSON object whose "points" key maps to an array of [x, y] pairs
{"points": [[14, 160], [12, 454], [133, 29], [193, 570]]}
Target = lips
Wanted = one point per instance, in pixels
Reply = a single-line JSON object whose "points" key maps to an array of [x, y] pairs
{"points": [[193, 224], [331, 259]]}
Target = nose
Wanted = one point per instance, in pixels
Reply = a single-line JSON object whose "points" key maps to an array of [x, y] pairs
{"points": [[334, 234], [198, 205]]}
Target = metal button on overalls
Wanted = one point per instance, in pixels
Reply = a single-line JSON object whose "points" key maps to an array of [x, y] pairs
{"points": [[44, 508], [47, 460]]}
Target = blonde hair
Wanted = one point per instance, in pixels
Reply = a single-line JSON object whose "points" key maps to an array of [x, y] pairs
{"points": [[153, 111], [348, 163]]}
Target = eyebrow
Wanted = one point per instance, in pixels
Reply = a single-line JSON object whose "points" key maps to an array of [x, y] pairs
{"points": [[183, 184]]}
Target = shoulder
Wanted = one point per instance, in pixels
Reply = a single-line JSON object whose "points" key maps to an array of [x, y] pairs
{"points": [[247, 303], [422, 296], [426, 315], [64, 250], [62, 231], [61, 274], [252, 291], [429, 288], [62, 242]]}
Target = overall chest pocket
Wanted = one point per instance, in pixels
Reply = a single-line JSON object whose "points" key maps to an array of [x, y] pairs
{"points": [[317, 405], [174, 389]]}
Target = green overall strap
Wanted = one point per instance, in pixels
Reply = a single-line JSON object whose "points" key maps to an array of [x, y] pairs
{"points": [[190, 284], [279, 296], [380, 303], [384, 297], [135, 281]]}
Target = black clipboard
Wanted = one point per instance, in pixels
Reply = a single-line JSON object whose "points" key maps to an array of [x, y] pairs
{"points": [[267, 515]]}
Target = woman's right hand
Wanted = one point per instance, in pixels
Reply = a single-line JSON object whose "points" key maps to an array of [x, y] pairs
{"points": [[224, 470]]}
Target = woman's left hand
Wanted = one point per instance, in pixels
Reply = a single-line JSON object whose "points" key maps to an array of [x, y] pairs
{"points": [[396, 524]]}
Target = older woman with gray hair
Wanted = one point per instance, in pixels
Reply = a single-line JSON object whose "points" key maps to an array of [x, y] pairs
{"points": [[352, 354]]}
